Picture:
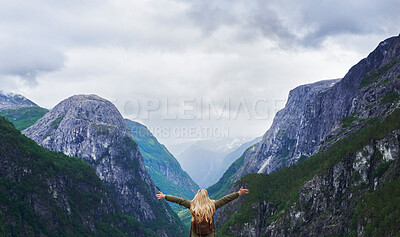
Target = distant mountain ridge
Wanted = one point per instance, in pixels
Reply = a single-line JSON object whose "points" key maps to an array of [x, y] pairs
{"points": [[10, 100], [205, 160], [21, 111], [91, 128]]}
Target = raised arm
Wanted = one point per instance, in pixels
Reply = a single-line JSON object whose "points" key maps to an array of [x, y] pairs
{"points": [[178, 200], [230, 197]]}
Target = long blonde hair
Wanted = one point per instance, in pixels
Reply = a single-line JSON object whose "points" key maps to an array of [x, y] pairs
{"points": [[202, 207]]}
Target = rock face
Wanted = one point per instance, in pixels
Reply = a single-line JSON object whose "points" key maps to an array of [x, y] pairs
{"points": [[278, 145], [45, 193], [370, 91], [326, 204], [360, 94], [91, 128], [14, 101]]}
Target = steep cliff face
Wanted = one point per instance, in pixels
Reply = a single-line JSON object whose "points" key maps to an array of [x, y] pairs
{"points": [[355, 194], [45, 193], [351, 160], [328, 201], [368, 90], [277, 146], [91, 128], [314, 113]]}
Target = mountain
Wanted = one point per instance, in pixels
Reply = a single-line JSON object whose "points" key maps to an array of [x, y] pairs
{"points": [[19, 110], [164, 169], [10, 100], [46, 193], [277, 146], [280, 144], [232, 156], [350, 182], [204, 160], [91, 128]]}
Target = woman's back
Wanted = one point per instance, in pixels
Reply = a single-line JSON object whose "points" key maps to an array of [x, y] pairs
{"points": [[202, 209]]}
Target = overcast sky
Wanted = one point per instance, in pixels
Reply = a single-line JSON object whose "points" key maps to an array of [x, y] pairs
{"points": [[186, 69]]}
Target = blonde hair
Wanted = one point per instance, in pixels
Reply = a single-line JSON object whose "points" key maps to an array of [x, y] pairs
{"points": [[202, 207]]}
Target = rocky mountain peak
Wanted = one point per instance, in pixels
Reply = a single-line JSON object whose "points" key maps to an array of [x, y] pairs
{"points": [[80, 121], [10, 100], [91, 128], [91, 108]]}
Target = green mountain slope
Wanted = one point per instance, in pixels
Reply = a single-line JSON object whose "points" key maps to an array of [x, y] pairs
{"points": [[282, 192], [164, 169], [23, 117], [46, 193]]}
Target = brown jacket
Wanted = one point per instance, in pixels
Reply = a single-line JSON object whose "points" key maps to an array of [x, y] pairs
{"points": [[218, 203]]}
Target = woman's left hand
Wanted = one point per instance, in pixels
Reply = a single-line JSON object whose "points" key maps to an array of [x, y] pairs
{"points": [[160, 195]]}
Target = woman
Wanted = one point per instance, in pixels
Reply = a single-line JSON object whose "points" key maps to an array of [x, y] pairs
{"points": [[202, 209]]}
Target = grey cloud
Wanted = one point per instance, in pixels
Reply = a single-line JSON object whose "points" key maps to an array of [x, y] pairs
{"points": [[210, 16], [271, 26], [27, 60], [330, 19], [305, 23]]}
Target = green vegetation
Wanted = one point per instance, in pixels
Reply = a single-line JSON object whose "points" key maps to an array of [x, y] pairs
{"points": [[356, 176], [283, 186], [123, 159], [102, 129], [348, 121], [379, 211], [390, 97], [23, 117], [56, 122], [381, 169], [46, 193], [158, 160], [376, 74], [302, 158], [156, 155]]}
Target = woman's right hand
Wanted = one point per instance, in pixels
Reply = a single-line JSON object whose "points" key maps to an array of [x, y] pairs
{"points": [[160, 195], [243, 191]]}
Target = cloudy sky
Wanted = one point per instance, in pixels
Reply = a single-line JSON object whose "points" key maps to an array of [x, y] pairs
{"points": [[189, 69]]}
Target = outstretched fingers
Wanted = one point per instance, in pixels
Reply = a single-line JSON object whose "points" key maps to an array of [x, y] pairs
{"points": [[243, 191], [160, 195]]}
